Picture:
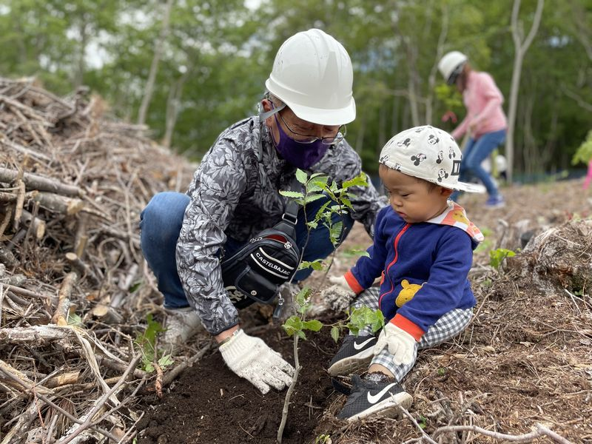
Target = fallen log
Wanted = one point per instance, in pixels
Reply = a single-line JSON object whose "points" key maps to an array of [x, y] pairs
{"points": [[41, 183], [56, 203], [36, 336]]}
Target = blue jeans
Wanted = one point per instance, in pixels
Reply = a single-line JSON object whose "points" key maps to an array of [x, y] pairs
{"points": [[474, 154], [161, 222]]}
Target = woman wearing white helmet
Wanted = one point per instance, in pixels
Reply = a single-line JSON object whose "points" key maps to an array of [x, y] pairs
{"points": [[234, 196], [485, 120]]}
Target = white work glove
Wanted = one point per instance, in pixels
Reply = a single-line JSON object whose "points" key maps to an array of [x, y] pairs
{"points": [[339, 295], [252, 359], [400, 344]]}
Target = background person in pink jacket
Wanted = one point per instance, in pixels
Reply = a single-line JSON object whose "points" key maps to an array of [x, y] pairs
{"points": [[485, 120]]}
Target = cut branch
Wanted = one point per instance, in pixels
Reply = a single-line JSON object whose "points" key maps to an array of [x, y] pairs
{"points": [[35, 182]]}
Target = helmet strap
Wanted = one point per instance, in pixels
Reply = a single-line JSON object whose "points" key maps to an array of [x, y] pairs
{"points": [[264, 115]]}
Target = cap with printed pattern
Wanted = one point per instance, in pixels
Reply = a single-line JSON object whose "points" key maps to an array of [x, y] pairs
{"points": [[427, 153]]}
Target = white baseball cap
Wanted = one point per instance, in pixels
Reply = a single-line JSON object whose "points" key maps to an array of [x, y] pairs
{"points": [[427, 153]]}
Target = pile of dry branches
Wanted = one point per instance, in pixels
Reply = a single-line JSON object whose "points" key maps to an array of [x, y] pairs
{"points": [[72, 185]]}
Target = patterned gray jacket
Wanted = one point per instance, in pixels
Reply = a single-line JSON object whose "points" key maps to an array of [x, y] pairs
{"points": [[234, 193]]}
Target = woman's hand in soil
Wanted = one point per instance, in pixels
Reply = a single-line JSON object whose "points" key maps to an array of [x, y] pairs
{"points": [[339, 295], [252, 359], [400, 344]]}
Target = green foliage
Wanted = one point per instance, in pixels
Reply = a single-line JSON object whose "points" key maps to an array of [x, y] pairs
{"points": [[316, 187], [364, 316], [487, 283], [354, 252], [146, 342], [487, 242], [220, 55], [296, 326], [584, 152], [317, 265], [422, 422], [496, 257], [74, 320], [450, 96], [358, 318]]}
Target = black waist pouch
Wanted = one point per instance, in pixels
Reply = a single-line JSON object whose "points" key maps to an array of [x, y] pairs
{"points": [[256, 272]]}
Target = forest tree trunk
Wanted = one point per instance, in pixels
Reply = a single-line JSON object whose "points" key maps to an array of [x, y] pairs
{"points": [[149, 90], [521, 48]]}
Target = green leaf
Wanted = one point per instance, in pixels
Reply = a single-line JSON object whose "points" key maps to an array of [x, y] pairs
{"points": [[345, 201], [365, 316], [313, 224], [74, 319], [292, 194], [133, 288], [317, 184], [303, 296], [301, 176], [312, 325], [292, 325], [312, 197], [335, 333], [317, 264], [360, 180], [354, 252], [496, 257], [335, 233], [322, 211], [165, 361]]}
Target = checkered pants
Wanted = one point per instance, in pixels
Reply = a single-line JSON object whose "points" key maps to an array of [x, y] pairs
{"points": [[448, 326]]}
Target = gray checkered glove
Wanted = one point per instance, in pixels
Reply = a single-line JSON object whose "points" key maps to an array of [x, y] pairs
{"points": [[339, 295], [252, 359]]}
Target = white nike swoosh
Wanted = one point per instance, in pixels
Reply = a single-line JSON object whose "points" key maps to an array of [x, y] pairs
{"points": [[373, 399], [362, 345]]}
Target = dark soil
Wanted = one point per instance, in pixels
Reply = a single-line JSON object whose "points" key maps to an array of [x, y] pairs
{"points": [[210, 404], [525, 360]]}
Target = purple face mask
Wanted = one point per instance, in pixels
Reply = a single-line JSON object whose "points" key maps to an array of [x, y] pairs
{"points": [[301, 155]]}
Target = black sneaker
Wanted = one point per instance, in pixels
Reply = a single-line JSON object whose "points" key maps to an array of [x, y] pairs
{"points": [[377, 395], [354, 355]]}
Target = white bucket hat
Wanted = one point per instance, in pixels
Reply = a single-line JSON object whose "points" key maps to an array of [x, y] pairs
{"points": [[427, 153]]}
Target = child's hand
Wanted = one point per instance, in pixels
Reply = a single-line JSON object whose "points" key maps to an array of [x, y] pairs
{"points": [[400, 344], [339, 295]]}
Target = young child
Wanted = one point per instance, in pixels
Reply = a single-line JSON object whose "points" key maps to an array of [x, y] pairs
{"points": [[423, 251]]}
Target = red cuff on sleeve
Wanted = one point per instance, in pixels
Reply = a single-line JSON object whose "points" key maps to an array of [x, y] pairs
{"points": [[405, 324], [353, 283]]}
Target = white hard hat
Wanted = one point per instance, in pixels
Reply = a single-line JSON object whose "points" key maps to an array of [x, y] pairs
{"points": [[313, 75], [429, 154], [451, 65], [501, 163]]}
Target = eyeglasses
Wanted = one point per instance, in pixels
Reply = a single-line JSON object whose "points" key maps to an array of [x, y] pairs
{"points": [[306, 138]]}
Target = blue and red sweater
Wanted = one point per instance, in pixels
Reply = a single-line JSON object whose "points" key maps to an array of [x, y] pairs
{"points": [[424, 267]]}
